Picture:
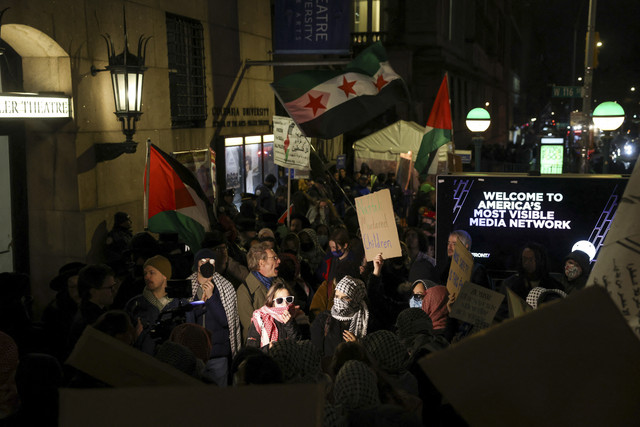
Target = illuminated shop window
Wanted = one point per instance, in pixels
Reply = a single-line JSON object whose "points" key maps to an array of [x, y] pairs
{"points": [[248, 160]]}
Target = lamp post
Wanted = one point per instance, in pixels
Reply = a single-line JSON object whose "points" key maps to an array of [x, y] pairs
{"points": [[127, 73], [478, 120], [608, 116]]}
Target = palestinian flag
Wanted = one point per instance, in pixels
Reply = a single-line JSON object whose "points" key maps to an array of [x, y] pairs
{"points": [[439, 128], [175, 201], [327, 103]]}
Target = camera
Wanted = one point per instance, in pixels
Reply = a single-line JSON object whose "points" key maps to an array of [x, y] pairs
{"points": [[207, 270], [168, 319]]}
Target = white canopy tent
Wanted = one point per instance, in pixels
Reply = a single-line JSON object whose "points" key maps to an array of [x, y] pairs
{"points": [[381, 150]]}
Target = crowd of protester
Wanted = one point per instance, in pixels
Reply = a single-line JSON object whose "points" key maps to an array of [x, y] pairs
{"points": [[291, 301]]}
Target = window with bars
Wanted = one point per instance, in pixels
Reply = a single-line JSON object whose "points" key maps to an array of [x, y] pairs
{"points": [[187, 85]]}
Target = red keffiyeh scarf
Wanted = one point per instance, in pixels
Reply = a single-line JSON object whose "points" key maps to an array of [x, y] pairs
{"points": [[264, 321]]}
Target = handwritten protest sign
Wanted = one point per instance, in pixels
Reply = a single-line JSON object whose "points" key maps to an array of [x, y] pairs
{"points": [[291, 148], [476, 305], [495, 378], [378, 225], [617, 268], [461, 267]]}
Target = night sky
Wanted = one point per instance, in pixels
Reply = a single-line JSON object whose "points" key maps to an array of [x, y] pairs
{"points": [[617, 21]]}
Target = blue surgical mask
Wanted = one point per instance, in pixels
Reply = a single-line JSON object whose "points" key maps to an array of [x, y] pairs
{"points": [[415, 303], [337, 254]]}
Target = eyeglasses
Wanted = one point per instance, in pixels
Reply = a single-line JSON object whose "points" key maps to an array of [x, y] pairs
{"points": [[275, 257], [288, 299], [221, 249], [418, 296]]}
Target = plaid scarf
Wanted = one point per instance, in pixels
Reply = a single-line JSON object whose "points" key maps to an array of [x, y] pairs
{"points": [[229, 303], [159, 303], [354, 311], [356, 386], [264, 321], [300, 361], [387, 349]]}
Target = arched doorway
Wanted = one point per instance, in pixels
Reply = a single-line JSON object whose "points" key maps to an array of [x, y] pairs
{"points": [[30, 188]]}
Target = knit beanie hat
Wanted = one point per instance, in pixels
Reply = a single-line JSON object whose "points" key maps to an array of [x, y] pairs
{"points": [[205, 253], [161, 264]]}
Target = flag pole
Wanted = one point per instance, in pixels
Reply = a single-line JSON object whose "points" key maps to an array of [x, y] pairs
{"points": [[147, 177], [288, 198], [453, 145]]}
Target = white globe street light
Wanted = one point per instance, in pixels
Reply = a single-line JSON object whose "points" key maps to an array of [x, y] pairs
{"points": [[478, 120], [608, 116]]}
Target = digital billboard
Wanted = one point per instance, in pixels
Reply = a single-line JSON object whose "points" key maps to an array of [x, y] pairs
{"points": [[504, 212]]}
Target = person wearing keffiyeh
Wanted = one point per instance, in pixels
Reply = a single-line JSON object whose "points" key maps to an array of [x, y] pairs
{"points": [[252, 293], [274, 320], [219, 315], [347, 320]]}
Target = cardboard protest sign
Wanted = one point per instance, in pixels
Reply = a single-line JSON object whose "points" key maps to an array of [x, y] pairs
{"points": [[572, 361], [476, 305], [118, 364], [517, 306], [618, 266], [378, 225], [201, 405], [461, 268], [291, 149]]}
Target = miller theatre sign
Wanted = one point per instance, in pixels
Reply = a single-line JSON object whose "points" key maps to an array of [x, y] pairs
{"points": [[14, 106]]}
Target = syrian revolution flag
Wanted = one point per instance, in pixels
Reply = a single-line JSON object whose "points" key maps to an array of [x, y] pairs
{"points": [[175, 201], [327, 103], [439, 128]]}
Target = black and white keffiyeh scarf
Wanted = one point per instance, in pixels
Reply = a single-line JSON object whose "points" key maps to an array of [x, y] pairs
{"points": [[229, 303], [355, 311]]}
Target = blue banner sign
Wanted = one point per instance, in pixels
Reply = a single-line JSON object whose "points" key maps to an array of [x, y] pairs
{"points": [[312, 26]]}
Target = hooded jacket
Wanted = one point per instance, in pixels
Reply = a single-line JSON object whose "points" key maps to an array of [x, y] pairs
{"points": [[578, 283]]}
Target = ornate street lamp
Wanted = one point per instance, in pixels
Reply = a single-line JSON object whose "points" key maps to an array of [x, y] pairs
{"points": [[478, 120], [608, 117], [127, 73]]}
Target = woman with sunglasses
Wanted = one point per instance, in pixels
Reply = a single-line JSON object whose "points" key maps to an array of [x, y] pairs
{"points": [[276, 319]]}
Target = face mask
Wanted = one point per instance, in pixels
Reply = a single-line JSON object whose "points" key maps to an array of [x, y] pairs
{"points": [[337, 254], [323, 240], [572, 272], [342, 308], [415, 303]]}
